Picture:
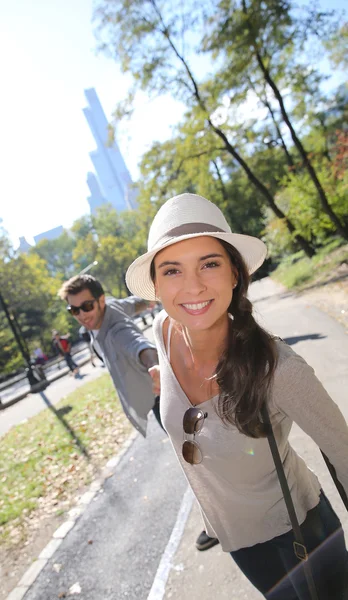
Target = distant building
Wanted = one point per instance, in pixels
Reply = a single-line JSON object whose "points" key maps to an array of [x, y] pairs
{"points": [[51, 234], [111, 182], [24, 246]]}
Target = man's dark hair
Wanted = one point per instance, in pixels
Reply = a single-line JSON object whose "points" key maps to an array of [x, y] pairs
{"points": [[77, 284]]}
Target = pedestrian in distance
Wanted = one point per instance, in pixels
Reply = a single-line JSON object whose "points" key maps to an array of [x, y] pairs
{"points": [[63, 346], [129, 356], [40, 357], [227, 387]]}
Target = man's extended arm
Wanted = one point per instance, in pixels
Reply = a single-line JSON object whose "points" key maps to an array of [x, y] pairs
{"points": [[138, 348], [141, 305], [133, 305], [149, 357]]}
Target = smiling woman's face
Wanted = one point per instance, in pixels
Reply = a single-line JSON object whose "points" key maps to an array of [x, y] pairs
{"points": [[194, 280]]}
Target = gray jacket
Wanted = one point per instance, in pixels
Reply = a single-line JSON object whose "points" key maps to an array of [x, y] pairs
{"points": [[121, 342]]}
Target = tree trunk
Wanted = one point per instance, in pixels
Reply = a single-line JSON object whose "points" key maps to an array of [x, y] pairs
{"points": [[267, 105], [225, 196], [289, 159], [341, 229], [306, 247], [221, 181]]}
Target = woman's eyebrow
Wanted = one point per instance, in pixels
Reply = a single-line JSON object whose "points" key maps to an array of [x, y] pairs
{"points": [[166, 263], [215, 255]]}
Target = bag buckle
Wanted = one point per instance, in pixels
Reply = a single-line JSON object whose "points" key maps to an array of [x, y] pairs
{"points": [[300, 551]]}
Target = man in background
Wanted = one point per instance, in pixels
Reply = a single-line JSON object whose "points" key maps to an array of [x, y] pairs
{"points": [[129, 356]]}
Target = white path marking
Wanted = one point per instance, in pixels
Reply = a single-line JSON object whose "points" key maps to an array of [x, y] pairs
{"points": [[159, 585]]}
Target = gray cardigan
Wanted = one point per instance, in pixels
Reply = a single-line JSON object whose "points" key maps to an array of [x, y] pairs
{"points": [[120, 342]]}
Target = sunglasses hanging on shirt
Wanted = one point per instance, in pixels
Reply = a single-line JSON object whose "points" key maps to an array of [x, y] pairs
{"points": [[192, 424]]}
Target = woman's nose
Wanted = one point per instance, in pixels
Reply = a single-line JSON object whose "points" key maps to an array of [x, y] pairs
{"points": [[194, 283]]}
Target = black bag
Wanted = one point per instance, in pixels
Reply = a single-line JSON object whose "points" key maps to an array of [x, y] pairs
{"points": [[299, 545]]}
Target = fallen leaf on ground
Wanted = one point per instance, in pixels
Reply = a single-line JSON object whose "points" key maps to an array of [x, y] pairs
{"points": [[75, 589]]}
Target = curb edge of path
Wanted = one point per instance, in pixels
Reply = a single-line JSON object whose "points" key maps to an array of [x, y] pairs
{"points": [[32, 573]]}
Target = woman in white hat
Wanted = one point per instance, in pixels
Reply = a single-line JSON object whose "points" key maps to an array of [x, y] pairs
{"points": [[219, 370]]}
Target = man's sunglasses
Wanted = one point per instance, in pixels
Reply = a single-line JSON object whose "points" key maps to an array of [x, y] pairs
{"points": [[192, 423], [86, 306]]}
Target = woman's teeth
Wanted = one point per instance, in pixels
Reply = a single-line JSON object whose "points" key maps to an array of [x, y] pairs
{"points": [[197, 306]]}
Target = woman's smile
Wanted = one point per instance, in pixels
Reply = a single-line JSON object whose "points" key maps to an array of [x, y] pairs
{"points": [[198, 308]]}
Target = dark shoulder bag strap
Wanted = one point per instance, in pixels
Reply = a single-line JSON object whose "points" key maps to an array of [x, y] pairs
{"points": [[338, 484], [299, 544]]}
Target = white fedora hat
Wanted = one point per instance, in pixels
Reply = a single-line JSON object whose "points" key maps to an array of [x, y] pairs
{"points": [[183, 217]]}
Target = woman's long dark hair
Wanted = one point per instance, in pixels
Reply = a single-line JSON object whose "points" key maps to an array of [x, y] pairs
{"points": [[245, 371]]}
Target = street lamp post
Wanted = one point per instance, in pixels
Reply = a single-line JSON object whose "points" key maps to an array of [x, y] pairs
{"points": [[93, 264], [37, 384]]}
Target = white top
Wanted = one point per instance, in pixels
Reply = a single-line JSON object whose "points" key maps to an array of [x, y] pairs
{"points": [[236, 484], [96, 344]]}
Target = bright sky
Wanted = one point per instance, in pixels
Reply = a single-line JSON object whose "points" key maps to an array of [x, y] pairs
{"points": [[48, 58]]}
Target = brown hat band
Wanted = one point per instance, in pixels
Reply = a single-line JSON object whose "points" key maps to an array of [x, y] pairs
{"points": [[187, 229]]}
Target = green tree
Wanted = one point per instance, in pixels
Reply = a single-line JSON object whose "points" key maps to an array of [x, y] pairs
{"points": [[85, 252], [57, 254], [31, 295], [146, 37], [266, 39], [337, 46], [112, 239], [187, 163], [106, 221], [82, 227]]}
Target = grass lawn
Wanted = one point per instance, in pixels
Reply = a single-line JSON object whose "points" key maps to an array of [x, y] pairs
{"points": [[299, 272], [47, 460]]}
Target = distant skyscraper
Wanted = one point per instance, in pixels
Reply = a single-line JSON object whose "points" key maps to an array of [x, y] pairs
{"points": [[112, 182], [51, 234]]}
